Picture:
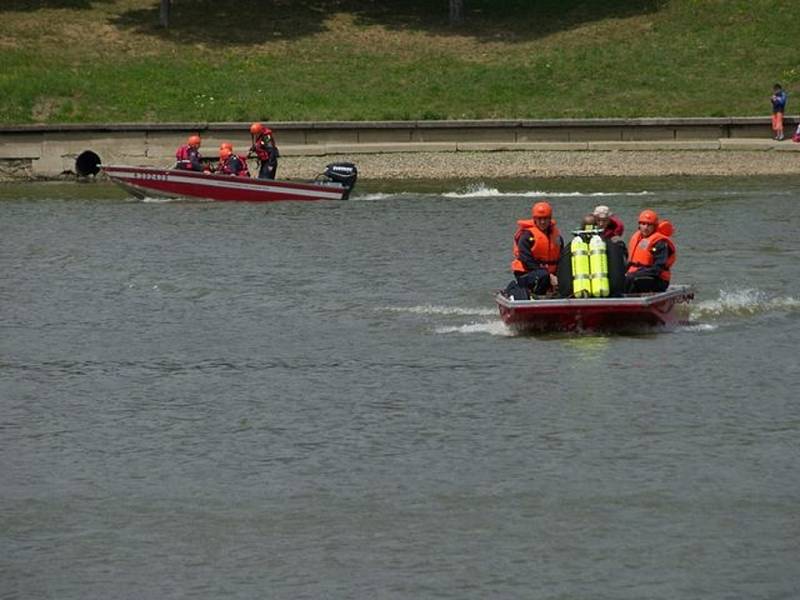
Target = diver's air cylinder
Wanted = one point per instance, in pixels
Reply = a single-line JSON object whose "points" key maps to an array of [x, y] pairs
{"points": [[581, 282], [598, 267]]}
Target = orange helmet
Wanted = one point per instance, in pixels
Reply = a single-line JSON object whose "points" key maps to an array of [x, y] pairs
{"points": [[226, 145], [224, 152], [648, 216], [194, 141], [542, 209], [256, 129]]}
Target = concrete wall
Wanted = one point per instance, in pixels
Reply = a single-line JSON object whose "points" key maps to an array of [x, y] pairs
{"points": [[50, 150]]}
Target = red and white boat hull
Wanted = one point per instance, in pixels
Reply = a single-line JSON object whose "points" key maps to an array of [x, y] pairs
{"points": [[147, 182], [662, 310]]}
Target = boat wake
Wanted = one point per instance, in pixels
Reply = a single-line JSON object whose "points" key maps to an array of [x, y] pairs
{"points": [[482, 191], [491, 326], [747, 302], [431, 309]]}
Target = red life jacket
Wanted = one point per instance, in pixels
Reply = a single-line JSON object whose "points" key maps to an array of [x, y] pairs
{"points": [[244, 171], [182, 155], [226, 169], [546, 248], [640, 252], [265, 148], [613, 229]]}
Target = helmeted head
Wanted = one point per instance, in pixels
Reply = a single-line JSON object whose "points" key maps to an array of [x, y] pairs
{"points": [[648, 221], [648, 216], [542, 214], [256, 129], [193, 141], [227, 145], [542, 209]]}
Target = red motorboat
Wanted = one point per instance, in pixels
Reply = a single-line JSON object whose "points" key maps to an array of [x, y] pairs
{"points": [[663, 310], [335, 183]]}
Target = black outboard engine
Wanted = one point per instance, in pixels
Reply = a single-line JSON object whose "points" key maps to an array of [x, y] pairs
{"points": [[344, 173]]}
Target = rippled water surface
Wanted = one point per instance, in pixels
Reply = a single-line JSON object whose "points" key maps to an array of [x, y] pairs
{"points": [[318, 400]]}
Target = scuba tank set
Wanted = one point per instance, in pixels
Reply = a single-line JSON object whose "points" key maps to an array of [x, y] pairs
{"points": [[589, 265]]}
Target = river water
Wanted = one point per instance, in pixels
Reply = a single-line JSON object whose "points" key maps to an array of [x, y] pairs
{"points": [[318, 400]]}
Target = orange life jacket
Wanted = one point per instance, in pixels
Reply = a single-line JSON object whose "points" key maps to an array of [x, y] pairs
{"points": [[546, 248], [640, 252]]}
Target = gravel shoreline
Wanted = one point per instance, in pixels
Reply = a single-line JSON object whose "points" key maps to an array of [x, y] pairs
{"points": [[507, 164]]}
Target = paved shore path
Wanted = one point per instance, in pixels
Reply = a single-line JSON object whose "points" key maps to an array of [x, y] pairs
{"points": [[501, 164]]}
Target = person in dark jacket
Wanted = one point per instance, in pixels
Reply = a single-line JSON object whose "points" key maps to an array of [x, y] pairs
{"points": [[537, 249], [230, 163], [188, 155], [778, 108], [651, 254], [265, 149]]}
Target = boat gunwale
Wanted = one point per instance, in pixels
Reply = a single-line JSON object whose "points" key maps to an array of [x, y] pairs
{"points": [[639, 301]]}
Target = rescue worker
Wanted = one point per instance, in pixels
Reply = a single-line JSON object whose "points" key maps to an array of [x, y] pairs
{"points": [[610, 225], [188, 155], [230, 163], [651, 254], [537, 248], [265, 150]]}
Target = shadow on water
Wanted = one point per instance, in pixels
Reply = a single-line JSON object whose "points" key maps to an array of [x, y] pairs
{"points": [[259, 21]]}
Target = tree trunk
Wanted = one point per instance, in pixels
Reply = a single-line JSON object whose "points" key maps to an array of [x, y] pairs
{"points": [[163, 17], [456, 12]]}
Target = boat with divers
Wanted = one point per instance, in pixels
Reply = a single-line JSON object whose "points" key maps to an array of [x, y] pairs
{"points": [[336, 182], [590, 295]]}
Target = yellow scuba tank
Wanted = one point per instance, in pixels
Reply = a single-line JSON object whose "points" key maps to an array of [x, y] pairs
{"points": [[598, 267], [581, 284]]}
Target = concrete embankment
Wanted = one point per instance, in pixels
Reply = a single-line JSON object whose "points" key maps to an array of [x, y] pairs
{"points": [[400, 149]]}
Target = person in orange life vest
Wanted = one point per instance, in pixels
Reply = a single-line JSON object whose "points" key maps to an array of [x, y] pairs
{"points": [[610, 225], [189, 157], [265, 150], [537, 248], [230, 163], [651, 254]]}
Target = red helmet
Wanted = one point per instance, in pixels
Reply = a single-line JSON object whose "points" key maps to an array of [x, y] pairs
{"points": [[542, 209], [648, 216], [194, 141], [256, 129], [227, 145]]}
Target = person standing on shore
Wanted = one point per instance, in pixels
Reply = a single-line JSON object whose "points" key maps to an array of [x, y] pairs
{"points": [[778, 108], [265, 150]]}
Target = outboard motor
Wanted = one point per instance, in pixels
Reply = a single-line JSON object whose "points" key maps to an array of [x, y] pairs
{"points": [[344, 173]]}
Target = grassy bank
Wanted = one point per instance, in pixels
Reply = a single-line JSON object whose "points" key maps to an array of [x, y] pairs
{"points": [[107, 60]]}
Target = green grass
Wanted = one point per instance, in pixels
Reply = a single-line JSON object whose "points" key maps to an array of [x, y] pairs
{"points": [[107, 60]]}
